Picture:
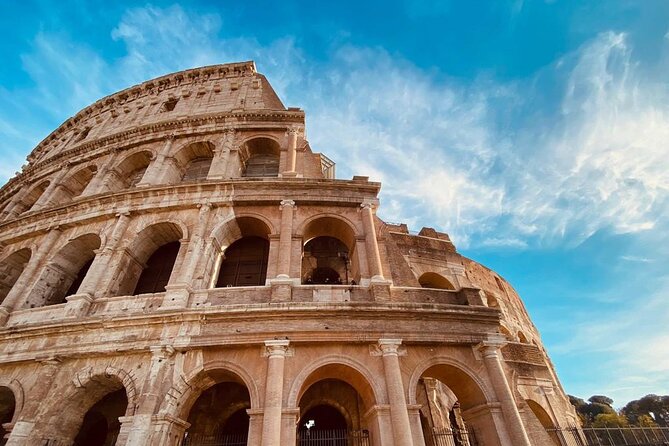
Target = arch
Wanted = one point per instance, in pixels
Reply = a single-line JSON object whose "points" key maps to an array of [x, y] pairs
{"points": [[11, 267], [329, 251], [131, 169], [138, 257], [180, 398], [434, 280], [338, 367], [260, 157], [193, 160], [67, 409], [74, 185], [505, 331], [64, 272], [461, 370], [33, 195], [8, 410], [229, 232], [522, 338], [545, 419]]}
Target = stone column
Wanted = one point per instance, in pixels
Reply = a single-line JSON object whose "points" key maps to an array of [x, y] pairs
{"points": [[286, 238], [179, 292], [97, 183], [490, 351], [372, 245], [28, 275], [150, 395], [389, 350], [255, 426], [276, 356], [291, 162], [45, 199], [219, 163], [32, 403], [10, 209], [94, 283], [416, 426], [155, 172]]}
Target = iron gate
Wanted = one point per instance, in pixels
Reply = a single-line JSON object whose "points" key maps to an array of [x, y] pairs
{"points": [[611, 436], [333, 437]]}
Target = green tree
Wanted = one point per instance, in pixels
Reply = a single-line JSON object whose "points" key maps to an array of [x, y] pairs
{"points": [[656, 407], [588, 411], [610, 420]]}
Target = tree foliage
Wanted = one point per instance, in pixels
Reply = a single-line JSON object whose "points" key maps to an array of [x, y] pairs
{"points": [[649, 411]]}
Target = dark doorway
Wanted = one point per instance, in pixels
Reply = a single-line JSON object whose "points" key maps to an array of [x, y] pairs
{"points": [[7, 407], [325, 261], [245, 263], [158, 270], [323, 424], [101, 426]]}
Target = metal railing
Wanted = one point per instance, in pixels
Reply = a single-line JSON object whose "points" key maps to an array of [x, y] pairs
{"points": [[611, 436], [333, 437], [450, 437], [214, 440]]}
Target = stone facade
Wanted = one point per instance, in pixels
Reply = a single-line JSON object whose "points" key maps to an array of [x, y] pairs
{"points": [[176, 262]]}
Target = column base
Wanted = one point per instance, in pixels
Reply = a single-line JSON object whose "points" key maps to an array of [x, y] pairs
{"points": [[77, 305], [176, 296], [379, 288], [282, 289], [291, 174]]}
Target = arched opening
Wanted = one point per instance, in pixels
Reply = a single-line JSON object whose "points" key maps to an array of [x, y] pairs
{"points": [[31, 198], [7, 409], [74, 186], [522, 338], [101, 425], [130, 171], [151, 258], [156, 274], [219, 415], [507, 334], [333, 407], [194, 161], [451, 408], [10, 270], [329, 255], [546, 423], [434, 280], [243, 247], [260, 158], [64, 273], [244, 263], [326, 261]]}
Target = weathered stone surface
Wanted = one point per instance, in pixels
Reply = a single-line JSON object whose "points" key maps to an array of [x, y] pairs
{"points": [[176, 259]]}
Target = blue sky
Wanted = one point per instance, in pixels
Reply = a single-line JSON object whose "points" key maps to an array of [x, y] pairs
{"points": [[534, 132]]}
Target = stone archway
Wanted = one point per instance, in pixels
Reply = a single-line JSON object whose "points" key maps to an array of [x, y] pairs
{"points": [[455, 406], [7, 412]]}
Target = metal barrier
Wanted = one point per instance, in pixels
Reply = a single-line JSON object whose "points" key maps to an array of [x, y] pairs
{"points": [[451, 437], [214, 440], [334, 437], [611, 436]]}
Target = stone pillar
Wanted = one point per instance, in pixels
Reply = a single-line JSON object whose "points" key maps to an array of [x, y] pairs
{"points": [[372, 244], [179, 292], [167, 431], [416, 426], [291, 162], [28, 275], [285, 238], [155, 172], [255, 426], [97, 183], [490, 351], [219, 163], [150, 395], [92, 284], [32, 403], [389, 350], [45, 199], [271, 426], [289, 426], [10, 209]]}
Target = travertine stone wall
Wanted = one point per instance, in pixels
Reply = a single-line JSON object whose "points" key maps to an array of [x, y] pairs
{"points": [[206, 158]]}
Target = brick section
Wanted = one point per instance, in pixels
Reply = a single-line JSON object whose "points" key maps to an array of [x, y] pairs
{"points": [[529, 354]]}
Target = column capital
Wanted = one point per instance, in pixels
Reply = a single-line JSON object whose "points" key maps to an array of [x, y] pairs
{"points": [[288, 203], [490, 347], [369, 204], [123, 213], [388, 347], [204, 206], [293, 131], [276, 348]]}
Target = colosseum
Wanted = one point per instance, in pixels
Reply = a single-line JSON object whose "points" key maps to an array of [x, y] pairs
{"points": [[178, 266]]}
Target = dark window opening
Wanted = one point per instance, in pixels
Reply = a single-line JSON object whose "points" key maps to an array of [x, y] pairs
{"points": [[79, 279], [84, 133], [325, 261], [198, 169], [323, 424], [245, 263], [101, 426], [169, 105], [156, 274], [7, 408], [262, 166], [135, 176]]}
